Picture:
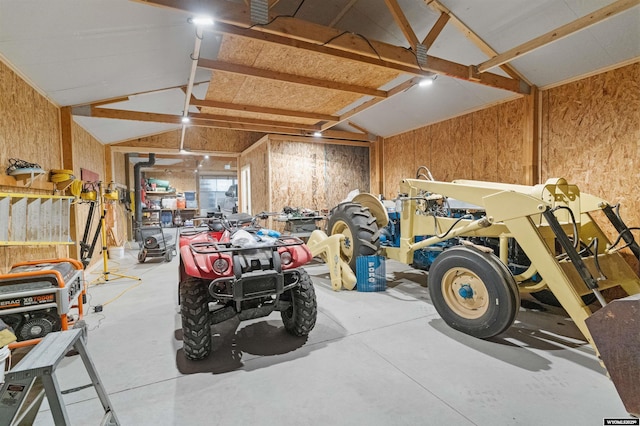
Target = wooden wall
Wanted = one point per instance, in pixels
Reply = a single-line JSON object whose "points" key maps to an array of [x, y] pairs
{"points": [[315, 175], [591, 137], [258, 160], [30, 131], [483, 145]]}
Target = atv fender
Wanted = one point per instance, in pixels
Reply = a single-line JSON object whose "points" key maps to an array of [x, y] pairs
{"points": [[188, 262]]}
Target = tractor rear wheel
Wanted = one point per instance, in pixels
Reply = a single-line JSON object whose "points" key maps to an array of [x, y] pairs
{"points": [[473, 291], [300, 318], [359, 229], [196, 324]]}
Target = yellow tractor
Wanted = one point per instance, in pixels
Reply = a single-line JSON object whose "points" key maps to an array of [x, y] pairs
{"points": [[484, 243]]}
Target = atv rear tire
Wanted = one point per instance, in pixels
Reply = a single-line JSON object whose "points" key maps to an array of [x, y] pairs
{"points": [[359, 228], [196, 324], [300, 318]]}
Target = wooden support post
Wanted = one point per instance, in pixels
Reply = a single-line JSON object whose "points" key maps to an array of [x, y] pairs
{"points": [[376, 184], [532, 138], [66, 142]]}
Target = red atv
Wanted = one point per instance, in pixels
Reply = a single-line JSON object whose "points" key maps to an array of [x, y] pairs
{"points": [[231, 269]]}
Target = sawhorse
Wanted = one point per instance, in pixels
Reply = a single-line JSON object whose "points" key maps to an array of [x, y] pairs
{"points": [[41, 362]]}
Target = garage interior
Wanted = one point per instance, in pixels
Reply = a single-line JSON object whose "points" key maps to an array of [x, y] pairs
{"points": [[298, 103]]}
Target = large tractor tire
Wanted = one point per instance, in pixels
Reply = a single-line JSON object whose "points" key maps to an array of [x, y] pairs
{"points": [[473, 292], [196, 325], [300, 318], [359, 228]]}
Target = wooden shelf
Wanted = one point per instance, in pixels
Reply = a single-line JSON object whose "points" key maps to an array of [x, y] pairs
{"points": [[161, 193]]}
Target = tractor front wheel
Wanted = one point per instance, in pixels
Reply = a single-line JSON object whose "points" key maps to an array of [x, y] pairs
{"points": [[196, 325], [300, 318], [359, 228], [473, 292]]}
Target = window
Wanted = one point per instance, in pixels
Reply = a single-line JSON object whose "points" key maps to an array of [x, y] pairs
{"points": [[218, 193]]}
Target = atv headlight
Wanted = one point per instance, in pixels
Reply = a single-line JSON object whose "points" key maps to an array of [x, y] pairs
{"points": [[286, 258], [220, 265], [150, 242]]}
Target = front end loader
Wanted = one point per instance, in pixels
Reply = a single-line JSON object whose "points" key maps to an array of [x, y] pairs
{"points": [[484, 243]]}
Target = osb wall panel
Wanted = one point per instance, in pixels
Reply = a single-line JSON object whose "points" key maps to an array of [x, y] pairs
{"points": [[452, 149], [346, 168], [119, 168], [483, 145], [400, 159], [591, 137], [30, 131], [511, 134], [485, 150], [316, 176], [29, 124], [258, 161], [88, 154]]}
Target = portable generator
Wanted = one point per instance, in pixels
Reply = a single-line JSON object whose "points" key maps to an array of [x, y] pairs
{"points": [[37, 297]]}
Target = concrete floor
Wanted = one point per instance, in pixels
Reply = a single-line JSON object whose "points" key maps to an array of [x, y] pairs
{"points": [[373, 359]]}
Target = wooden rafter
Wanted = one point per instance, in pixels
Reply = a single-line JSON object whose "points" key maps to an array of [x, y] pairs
{"points": [[257, 121], [474, 38], [290, 78], [225, 122], [558, 34], [403, 22], [435, 31], [261, 110], [318, 38]]}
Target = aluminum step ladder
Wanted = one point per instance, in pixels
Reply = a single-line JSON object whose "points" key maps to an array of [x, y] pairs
{"points": [[41, 362]]}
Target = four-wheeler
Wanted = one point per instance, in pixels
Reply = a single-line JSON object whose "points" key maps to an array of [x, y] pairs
{"points": [[484, 243], [233, 268]]}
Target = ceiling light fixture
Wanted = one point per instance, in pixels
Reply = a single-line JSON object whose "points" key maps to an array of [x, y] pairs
{"points": [[317, 134], [206, 157], [186, 120], [201, 21], [427, 81]]}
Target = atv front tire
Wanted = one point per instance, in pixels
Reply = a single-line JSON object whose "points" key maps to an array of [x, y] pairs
{"points": [[196, 324], [300, 318], [359, 227]]}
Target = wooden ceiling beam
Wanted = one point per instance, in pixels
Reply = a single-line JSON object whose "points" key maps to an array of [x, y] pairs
{"points": [[475, 38], [435, 31], [289, 78], [247, 120], [558, 34], [403, 23], [224, 122], [261, 110], [313, 37]]}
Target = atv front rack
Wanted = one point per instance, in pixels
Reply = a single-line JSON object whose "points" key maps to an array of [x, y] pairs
{"points": [[218, 247]]}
